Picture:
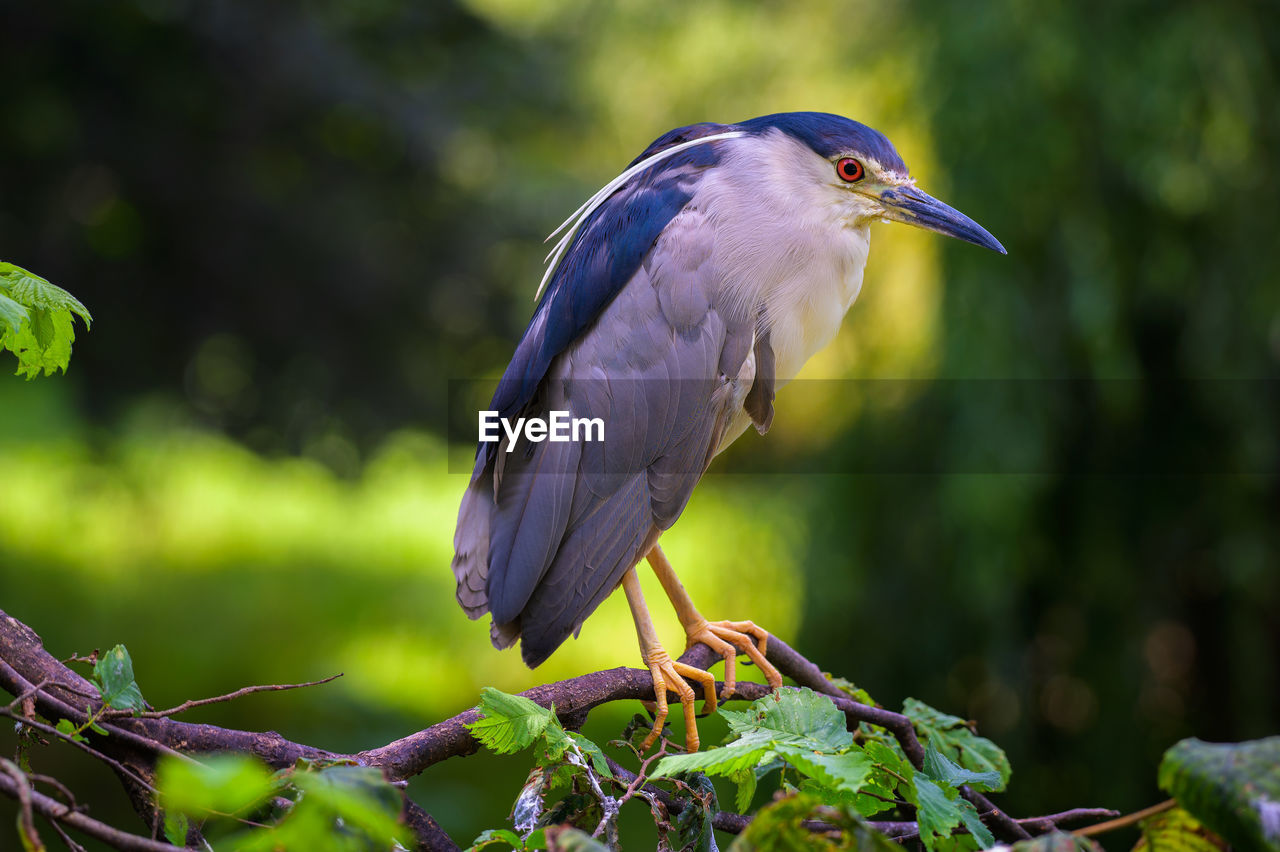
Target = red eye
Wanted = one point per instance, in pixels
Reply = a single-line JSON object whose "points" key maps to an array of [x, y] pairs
{"points": [[849, 170]]}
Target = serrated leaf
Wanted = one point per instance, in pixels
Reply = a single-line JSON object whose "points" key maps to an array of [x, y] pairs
{"points": [[980, 833], [725, 760], [31, 290], [508, 723], [746, 781], [953, 739], [941, 769], [113, 673], [36, 322], [849, 771], [1176, 830], [799, 717], [936, 814], [1233, 788], [555, 740]]}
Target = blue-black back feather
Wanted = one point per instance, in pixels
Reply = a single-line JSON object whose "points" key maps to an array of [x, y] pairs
{"points": [[603, 256]]}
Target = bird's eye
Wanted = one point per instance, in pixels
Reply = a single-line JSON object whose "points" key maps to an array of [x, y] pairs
{"points": [[850, 170]]}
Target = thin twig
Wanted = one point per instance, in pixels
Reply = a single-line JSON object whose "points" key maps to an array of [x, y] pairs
{"points": [[57, 785], [26, 819], [63, 836], [219, 699], [723, 820], [53, 809], [643, 776], [1126, 820], [28, 693], [1054, 822], [85, 747]]}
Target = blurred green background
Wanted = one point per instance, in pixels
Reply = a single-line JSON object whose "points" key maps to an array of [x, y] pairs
{"points": [[1039, 491]]}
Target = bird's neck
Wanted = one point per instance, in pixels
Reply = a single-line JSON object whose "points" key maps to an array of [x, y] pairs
{"points": [[782, 250]]}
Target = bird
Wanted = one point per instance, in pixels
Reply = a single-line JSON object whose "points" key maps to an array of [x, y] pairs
{"points": [[678, 300]]}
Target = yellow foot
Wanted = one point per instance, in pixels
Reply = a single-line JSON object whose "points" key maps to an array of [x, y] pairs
{"points": [[728, 639], [669, 674]]}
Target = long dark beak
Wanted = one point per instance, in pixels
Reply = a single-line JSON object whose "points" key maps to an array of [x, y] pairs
{"points": [[910, 205]]}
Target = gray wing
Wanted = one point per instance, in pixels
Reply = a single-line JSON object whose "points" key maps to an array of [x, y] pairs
{"points": [[542, 542]]}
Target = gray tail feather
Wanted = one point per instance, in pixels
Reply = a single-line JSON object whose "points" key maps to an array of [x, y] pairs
{"points": [[471, 549], [471, 559]]}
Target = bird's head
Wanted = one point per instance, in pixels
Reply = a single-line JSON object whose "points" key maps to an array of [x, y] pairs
{"points": [[862, 175]]}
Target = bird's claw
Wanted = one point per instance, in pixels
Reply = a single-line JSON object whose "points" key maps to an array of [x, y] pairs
{"points": [[669, 674], [728, 638]]}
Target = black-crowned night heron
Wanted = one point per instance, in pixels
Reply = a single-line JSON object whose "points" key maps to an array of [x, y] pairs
{"points": [[680, 298]]}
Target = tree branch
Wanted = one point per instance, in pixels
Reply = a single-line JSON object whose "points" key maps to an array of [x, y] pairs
{"points": [[55, 810], [29, 672]]}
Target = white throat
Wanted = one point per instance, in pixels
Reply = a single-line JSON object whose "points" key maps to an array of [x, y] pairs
{"points": [[786, 242]]}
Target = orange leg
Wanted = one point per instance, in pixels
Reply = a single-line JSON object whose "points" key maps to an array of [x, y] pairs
{"points": [[667, 673], [726, 638]]}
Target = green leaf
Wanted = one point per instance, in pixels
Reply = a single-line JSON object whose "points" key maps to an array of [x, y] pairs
{"points": [[944, 771], [592, 753], [802, 719], [890, 758], [113, 673], [693, 825], [574, 840], [849, 771], [746, 781], [65, 726], [508, 723], [1176, 830], [969, 816], [797, 717], [1233, 788], [780, 827], [725, 760], [936, 814], [359, 795], [496, 835], [952, 737], [31, 290], [555, 741], [176, 825], [36, 321], [220, 783], [12, 314]]}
